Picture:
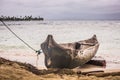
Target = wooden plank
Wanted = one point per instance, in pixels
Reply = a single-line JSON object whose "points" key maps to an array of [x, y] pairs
{"points": [[97, 60]]}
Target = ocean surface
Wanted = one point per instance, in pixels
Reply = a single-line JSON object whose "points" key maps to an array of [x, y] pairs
{"points": [[35, 32]]}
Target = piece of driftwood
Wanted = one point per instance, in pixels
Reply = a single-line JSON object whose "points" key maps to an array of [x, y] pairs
{"points": [[69, 55], [90, 72], [103, 74], [98, 61]]}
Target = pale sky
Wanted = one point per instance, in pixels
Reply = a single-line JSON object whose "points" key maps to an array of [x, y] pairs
{"points": [[62, 9]]}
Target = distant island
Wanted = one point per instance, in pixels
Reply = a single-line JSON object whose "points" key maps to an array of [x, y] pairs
{"points": [[20, 18]]}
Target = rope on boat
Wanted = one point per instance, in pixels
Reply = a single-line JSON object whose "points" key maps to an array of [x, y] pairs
{"points": [[37, 51], [37, 60]]}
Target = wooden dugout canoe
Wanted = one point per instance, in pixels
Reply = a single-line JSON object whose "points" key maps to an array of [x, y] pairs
{"points": [[68, 55]]}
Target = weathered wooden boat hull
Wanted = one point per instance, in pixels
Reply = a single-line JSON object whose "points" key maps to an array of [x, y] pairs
{"points": [[68, 55]]}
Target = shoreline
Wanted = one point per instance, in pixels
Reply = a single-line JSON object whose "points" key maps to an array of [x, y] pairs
{"points": [[27, 56]]}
